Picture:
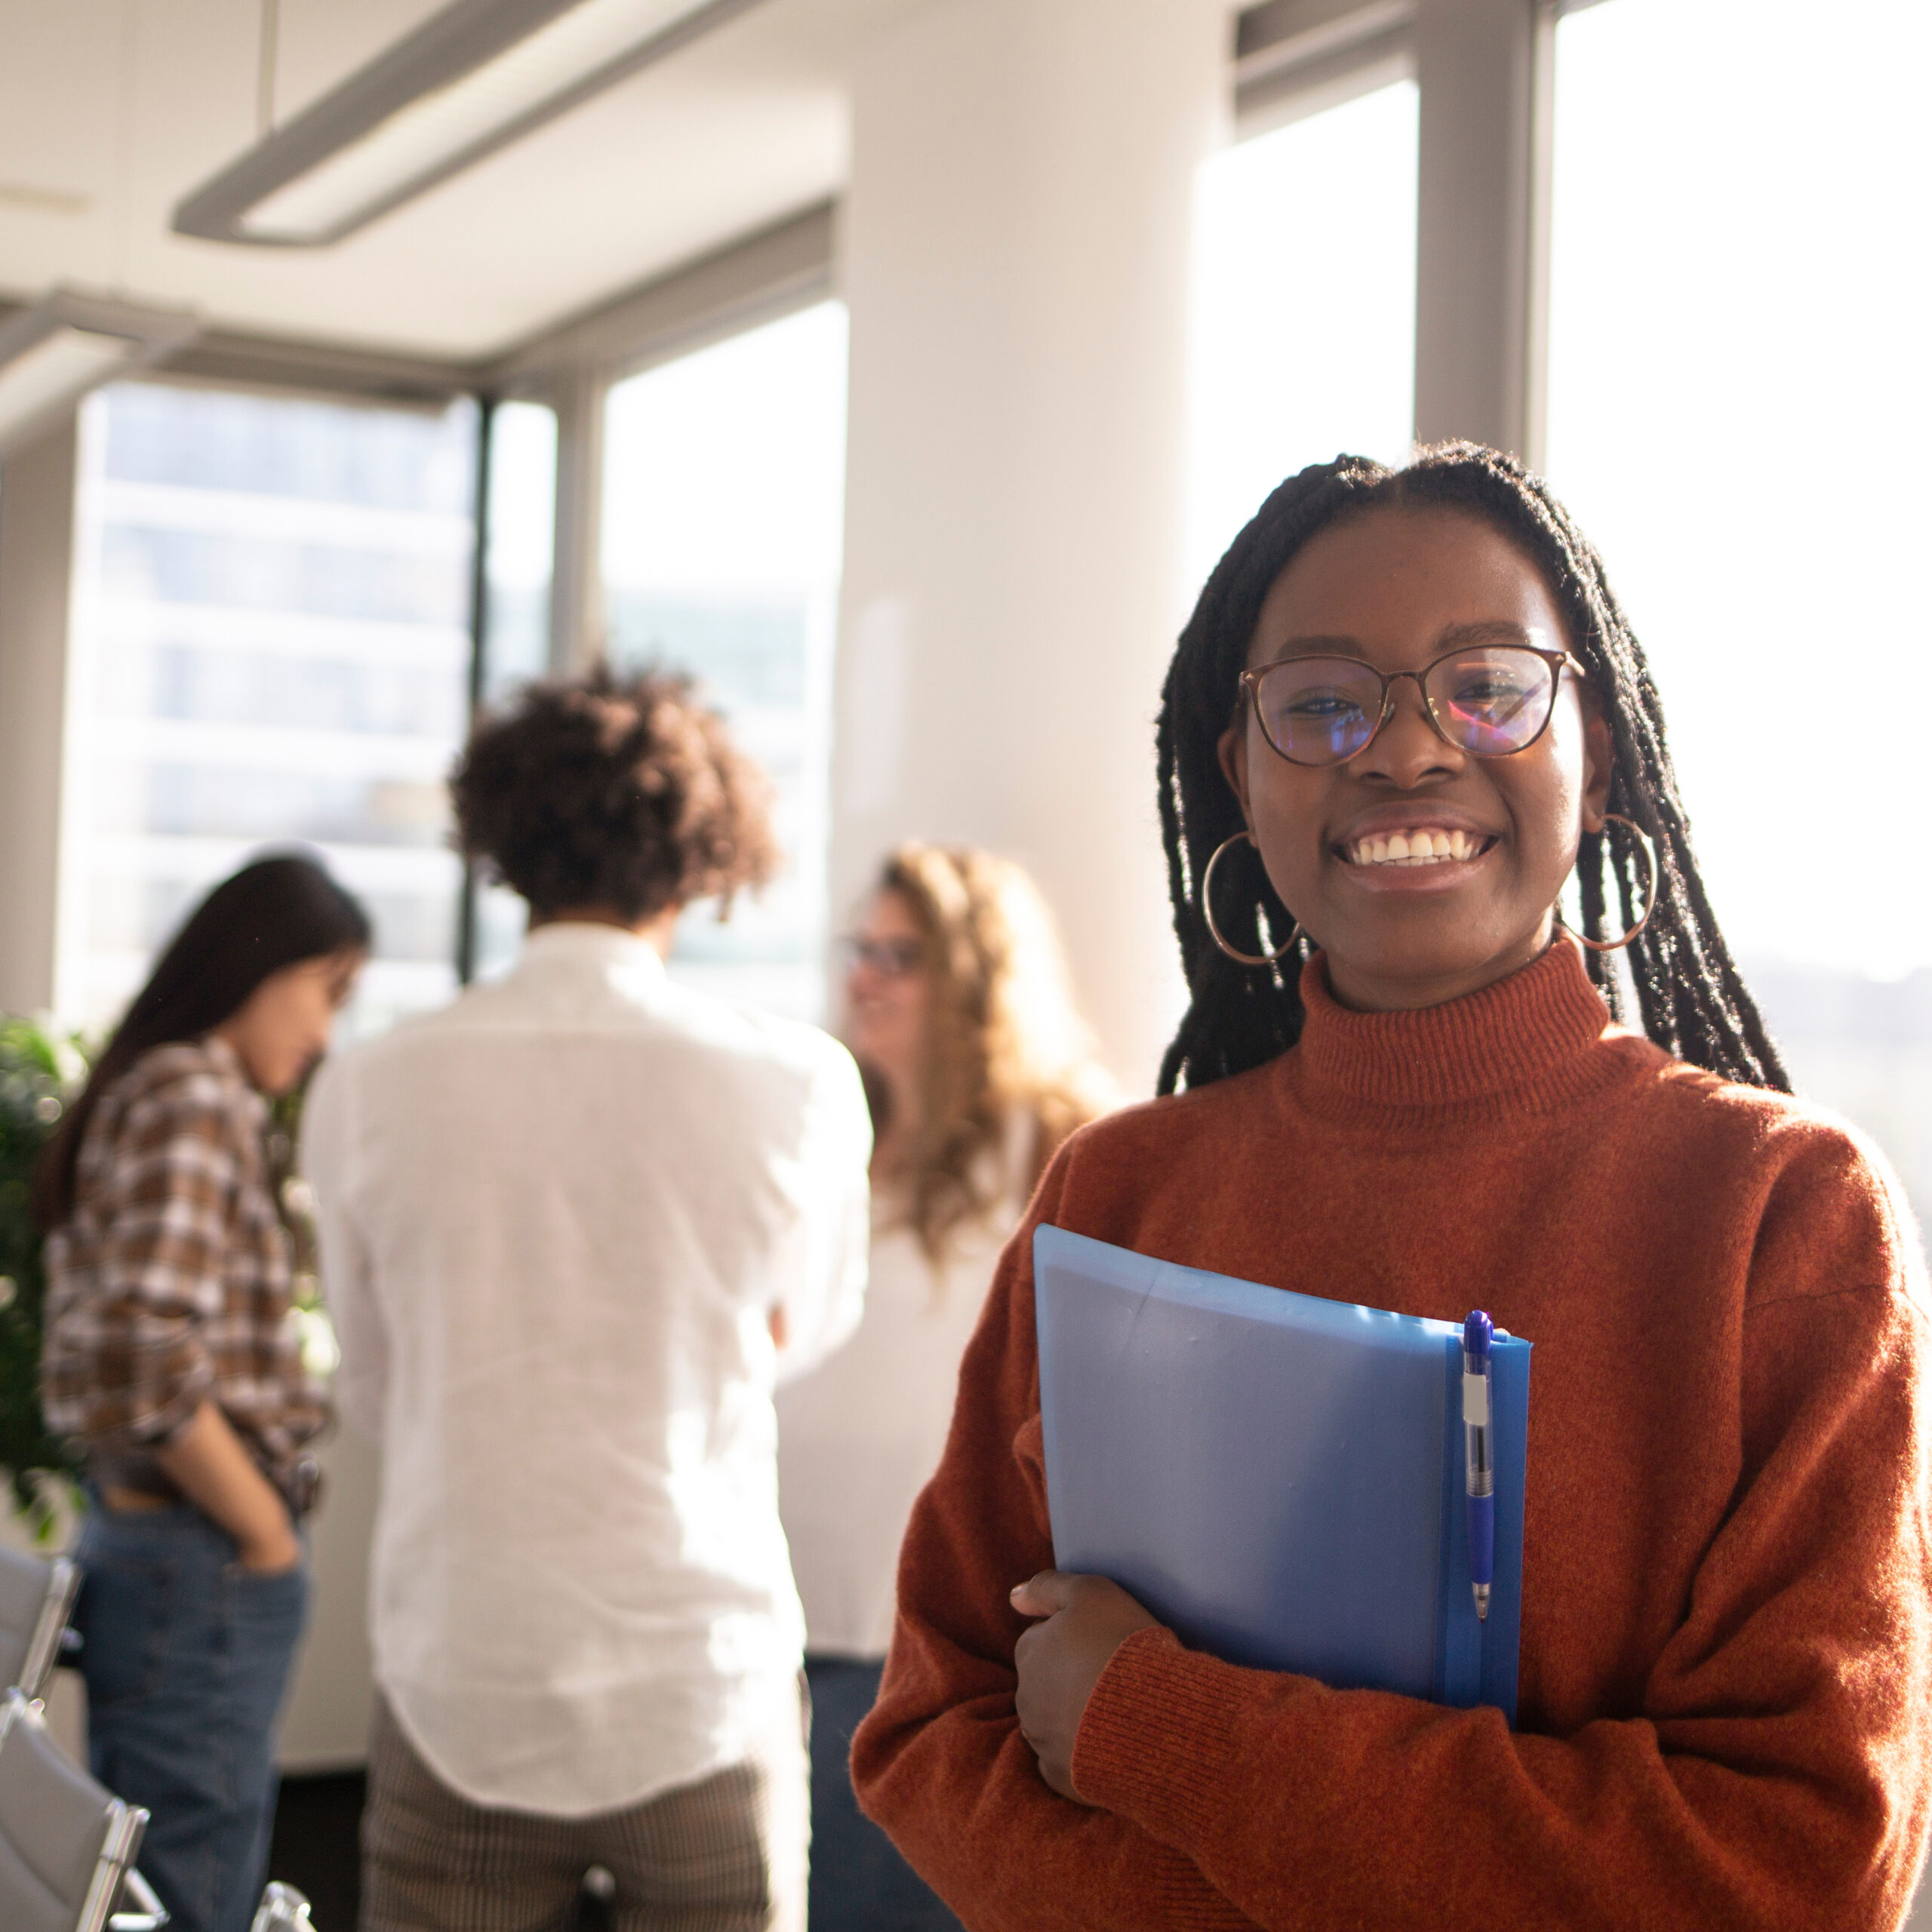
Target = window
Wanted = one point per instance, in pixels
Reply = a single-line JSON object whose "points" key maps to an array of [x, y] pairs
{"points": [[1286, 370], [271, 646], [723, 516], [518, 562], [1738, 402], [522, 516]]}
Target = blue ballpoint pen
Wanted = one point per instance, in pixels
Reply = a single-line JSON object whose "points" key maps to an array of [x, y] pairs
{"points": [[1479, 1464]]}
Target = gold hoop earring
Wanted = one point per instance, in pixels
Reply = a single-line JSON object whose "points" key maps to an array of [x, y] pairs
{"points": [[1281, 951], [1650, 852]]}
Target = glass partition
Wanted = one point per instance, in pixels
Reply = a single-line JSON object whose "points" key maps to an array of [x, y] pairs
{"points": [[518, 562], [723, 520], [521, 522]]}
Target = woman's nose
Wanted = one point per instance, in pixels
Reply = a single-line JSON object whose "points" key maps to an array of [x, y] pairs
{"points": [[1408, 749]]}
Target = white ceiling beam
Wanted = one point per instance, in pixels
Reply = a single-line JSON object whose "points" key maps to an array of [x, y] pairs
{"points": [[474, 77], [53, 353]]}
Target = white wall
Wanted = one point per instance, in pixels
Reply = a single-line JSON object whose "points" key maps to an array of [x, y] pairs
{"points": [[325, 1725], [1014, 255]]}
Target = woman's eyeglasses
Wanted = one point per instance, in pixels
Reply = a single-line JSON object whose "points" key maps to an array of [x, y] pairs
{"points": [[889, 958], [1488, 699]]}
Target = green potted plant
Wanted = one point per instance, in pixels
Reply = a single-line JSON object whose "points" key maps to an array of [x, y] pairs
{"points": [[39, 1073]]}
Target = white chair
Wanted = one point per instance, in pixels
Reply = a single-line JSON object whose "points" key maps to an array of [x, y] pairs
{"points": [[36, 1599], [66, 1844]]}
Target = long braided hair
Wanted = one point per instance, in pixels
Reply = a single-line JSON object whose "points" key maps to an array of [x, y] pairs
{"points": [[1690, 998]]}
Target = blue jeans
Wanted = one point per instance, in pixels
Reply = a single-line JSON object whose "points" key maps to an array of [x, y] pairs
{"points": [[186, 1656], [859, 1881]]}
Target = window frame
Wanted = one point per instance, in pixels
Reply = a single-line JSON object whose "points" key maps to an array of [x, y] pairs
{"points": [[1484, 71]]}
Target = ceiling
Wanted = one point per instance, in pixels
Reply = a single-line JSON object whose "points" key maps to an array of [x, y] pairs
{"points": [[110, 110]]}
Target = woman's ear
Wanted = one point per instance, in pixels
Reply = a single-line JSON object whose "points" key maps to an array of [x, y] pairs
{"points": [[1232, 748], [1599, 761]]}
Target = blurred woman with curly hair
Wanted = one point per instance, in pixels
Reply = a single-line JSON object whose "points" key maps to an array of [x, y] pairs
{"points": [[958, 1010], [572, 1227]]}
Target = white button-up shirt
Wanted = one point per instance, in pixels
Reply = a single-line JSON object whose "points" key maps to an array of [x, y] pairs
{"points": [[555, 1219]]}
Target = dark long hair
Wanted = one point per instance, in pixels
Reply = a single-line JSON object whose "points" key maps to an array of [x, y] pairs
{"points": [[1690, 997], [271, 914]]}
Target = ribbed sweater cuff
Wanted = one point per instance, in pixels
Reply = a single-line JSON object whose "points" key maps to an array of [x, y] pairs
{"points": [[1157, 1742]]}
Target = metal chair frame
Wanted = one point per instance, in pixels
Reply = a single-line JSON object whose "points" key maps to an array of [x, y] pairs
{"points": [[283, 1910], [139, 1910], [56, 1607], [60, 1581]]}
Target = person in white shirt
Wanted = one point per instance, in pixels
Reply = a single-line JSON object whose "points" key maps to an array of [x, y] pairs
{"points": [[572, 1226], [958, 1010]]}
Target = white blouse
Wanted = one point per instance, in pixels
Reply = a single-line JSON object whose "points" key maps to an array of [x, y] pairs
{"points": [[860, 1436]]}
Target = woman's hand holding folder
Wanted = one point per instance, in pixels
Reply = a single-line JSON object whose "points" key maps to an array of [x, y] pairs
{"points": [[1060, 1660]]}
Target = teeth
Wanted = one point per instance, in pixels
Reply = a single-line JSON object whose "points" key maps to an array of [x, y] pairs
{"points": [[1422, 846]]}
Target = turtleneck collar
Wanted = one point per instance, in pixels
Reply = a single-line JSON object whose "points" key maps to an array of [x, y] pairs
{"points": [[1528, 1037]]}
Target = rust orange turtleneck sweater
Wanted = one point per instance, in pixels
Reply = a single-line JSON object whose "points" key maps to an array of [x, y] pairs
{"points": [[1726, 1684]]}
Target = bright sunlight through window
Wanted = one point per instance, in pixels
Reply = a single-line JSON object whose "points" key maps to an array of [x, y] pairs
{"points": [[1740, 405], [1304, 310], [723, 509]]}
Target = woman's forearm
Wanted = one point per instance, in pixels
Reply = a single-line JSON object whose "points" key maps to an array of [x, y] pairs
{"points": [[207, 1462]]}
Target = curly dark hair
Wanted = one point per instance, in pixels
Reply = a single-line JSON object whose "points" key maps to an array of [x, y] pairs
{"points": [[1690, 998], [624, 793]]}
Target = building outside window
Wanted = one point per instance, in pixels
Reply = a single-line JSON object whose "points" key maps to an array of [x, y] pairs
{"points": [[1740, 401], [270, 647]]}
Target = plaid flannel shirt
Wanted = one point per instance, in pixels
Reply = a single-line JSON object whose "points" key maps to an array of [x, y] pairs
{"points": [[169, 1285]]}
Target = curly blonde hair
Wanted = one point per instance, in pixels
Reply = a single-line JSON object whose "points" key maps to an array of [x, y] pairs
{"points": [[1003, 1035]]}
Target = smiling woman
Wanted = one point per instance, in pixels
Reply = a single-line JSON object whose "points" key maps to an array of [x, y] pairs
{"points": [[1381, 583], [1406, 571], [1406, 708]]}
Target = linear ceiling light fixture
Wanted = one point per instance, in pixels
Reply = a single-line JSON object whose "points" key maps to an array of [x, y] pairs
{"points": [[52, 354], [469, 80]]}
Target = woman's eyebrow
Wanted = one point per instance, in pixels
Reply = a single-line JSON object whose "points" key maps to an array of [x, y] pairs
{"points": [[1491, 630], [1318, 647], [1488, 630]]}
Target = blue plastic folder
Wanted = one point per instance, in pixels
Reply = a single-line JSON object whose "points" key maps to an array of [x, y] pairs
{"points": [[1279, 1479]]}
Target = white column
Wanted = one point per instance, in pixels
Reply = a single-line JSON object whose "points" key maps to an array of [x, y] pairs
{"points": [[36, 560], [1015, 254]]}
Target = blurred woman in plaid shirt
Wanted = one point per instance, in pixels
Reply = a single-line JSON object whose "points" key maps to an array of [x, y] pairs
{"points": [[171, 1353]]}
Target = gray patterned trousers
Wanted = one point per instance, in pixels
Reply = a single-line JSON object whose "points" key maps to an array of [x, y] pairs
{"points": [[726, 1854]]}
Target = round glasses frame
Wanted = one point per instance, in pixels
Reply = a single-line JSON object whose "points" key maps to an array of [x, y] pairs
{"points": [[1558, 661]]}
